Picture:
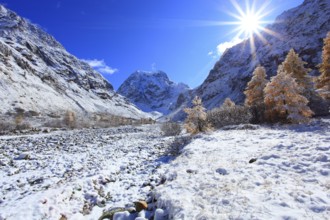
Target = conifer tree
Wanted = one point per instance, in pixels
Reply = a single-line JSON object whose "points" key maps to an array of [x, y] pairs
{"points": [[294, 66], [283, 100], [323, 81], [255, 89], [196, 120]]}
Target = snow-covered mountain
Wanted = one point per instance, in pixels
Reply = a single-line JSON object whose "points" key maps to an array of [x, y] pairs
{"points": [[153, 91], [302, 28], [38, 74]]}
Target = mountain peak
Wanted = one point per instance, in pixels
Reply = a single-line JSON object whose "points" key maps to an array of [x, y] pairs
{"points": [[152, 91]]}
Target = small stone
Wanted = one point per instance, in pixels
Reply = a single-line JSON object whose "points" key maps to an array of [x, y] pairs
{"points": [[35, 181], [46, 130], [191, 171], [63, 217], [140, 205], [253, 160], [131, 209], [23, 157], [222, 171]]}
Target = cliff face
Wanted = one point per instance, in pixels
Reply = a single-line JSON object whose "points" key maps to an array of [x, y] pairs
{"points": [[38, 74], [302, 28], [153, 91]]}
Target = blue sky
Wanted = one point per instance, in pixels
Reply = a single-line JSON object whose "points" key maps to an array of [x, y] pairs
{"points": [[179, 37]]}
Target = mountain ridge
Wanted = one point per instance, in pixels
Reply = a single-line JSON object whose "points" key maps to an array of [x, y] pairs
{"points": [[38, 74]]}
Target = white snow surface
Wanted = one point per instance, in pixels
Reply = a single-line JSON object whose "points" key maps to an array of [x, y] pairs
{"points": [[69, 171], [213, 178]]}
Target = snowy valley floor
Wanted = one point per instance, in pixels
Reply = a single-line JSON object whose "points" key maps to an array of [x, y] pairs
{"points": [[290, 179], [72, 173]]}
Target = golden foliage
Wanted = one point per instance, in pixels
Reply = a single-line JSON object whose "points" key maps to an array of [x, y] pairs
{"points": [[283, 100], [196, 120], [255, 89], [323, 81], [294, 66]]}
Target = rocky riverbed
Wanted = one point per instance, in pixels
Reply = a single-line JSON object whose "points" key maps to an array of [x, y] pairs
{"points": [[80, 174]]}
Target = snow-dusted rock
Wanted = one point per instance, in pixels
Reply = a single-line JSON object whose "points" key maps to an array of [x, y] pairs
{"points": [[40, 76], [302, 28], [160, 214], [153, 91], [125, 215]]}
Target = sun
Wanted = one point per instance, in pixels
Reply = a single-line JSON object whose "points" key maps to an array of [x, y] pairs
{"points": [[250, 24], [250, 21]]}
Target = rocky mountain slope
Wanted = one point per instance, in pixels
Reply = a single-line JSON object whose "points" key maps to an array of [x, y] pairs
{"points": [[38, 75], [302, 28], [153, 91]]}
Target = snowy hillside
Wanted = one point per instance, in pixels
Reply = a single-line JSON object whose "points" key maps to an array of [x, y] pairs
{"points": [[37, 74], [302, 28], [153, 91], [217, 177]]}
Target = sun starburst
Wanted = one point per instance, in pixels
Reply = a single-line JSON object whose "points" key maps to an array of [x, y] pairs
{"points": [[250, 21]]}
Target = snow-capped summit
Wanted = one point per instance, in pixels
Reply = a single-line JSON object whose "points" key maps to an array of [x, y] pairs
{"points": [[302, 28], [153, 91], [38, 74]]}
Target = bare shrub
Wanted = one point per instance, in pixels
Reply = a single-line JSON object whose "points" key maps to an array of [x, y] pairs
{"points": [[177, 145], [220, 117], [84, 123], [70, 119], [171, 129], [258, 114], [6, 126], [54, 123], [31, 113], [23, 126], [19, 120]]}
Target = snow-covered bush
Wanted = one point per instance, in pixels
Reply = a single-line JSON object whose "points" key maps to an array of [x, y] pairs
{"points": [[171, 129], [227, 104], [229, 114], [196, 120]]}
